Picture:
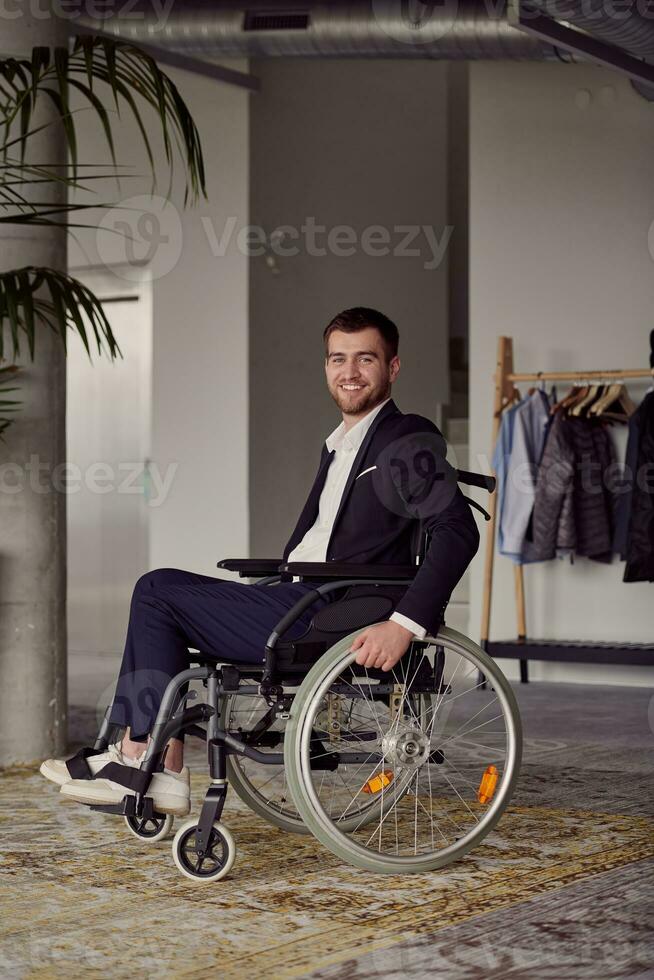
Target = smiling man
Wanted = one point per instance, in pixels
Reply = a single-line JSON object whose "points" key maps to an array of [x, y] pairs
{"points": [[383, 480], [382, 483]]}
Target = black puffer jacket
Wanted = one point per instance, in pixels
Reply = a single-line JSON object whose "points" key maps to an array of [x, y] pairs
{"points": [[640, 536], [573, 506]]}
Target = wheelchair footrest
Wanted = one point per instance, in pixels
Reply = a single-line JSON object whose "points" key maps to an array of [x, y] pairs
{"points": [[127, 807]]}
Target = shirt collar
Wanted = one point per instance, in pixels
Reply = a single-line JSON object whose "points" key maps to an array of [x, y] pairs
{"points": [[339, 439]]}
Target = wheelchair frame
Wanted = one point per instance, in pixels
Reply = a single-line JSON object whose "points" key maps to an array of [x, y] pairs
{"points": [[267, 681], [221, 679]]}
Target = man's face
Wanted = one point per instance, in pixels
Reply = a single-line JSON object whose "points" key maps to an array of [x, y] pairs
{"points": [[358, 376]]}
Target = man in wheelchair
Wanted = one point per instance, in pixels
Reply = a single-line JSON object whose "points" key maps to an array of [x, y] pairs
{"points": [[384, 507]]}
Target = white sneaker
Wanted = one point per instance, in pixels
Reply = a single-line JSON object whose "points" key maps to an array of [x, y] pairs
{"points": [[57, 771], [170, 791]]}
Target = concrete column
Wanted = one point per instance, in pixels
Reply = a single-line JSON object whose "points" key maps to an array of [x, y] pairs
{"points": [[32, 513]]}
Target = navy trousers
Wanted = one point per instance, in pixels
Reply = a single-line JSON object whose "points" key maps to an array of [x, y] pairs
{"points": [[172, 610]]}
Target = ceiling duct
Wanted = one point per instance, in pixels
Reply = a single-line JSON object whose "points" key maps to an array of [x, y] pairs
{"points": [[450, 29], [616, 33], [629, 24]]}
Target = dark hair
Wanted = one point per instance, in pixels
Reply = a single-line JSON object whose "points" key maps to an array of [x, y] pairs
{"points": [[360, 317]]}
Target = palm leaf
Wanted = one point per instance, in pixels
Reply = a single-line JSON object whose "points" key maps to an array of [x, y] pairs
{"points": [[130, 75], [8, 406], [31, 296]]}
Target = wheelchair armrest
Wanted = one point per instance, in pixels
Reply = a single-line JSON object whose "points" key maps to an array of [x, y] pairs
{"points": [[315, 570], [250, 567]]}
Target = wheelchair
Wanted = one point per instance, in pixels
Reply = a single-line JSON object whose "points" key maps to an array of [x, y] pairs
{"points": [[394, 772]]}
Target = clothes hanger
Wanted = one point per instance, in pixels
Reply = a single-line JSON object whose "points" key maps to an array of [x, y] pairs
{"points": [[611, 393], [582, 392], [626, 402], [580, 407], [541, 386], [621, 408], [578, 391], [514, 397]]}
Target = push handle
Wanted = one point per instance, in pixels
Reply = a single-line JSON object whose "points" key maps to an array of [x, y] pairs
{"points": [[476, 480]]}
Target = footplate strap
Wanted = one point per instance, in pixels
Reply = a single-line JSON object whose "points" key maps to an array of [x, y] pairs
{"points": [[77, 765], [135, 779]]}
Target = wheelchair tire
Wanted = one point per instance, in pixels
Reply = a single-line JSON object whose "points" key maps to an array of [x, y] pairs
{"points": [[150, 829], [222, 852], [431, 762]]}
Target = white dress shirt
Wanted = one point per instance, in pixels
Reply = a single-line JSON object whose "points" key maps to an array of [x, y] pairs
{"points": [[313, 546]]}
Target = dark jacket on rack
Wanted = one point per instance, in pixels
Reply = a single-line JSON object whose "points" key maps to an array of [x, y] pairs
{"points": [[626, 488], [573, 507], [640, 536]]}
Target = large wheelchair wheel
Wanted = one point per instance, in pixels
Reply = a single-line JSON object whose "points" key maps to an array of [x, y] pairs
{"points": [[442, 763], [335, 741]]}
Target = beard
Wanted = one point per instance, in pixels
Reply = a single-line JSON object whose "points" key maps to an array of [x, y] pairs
{"points": [[355, 402]]}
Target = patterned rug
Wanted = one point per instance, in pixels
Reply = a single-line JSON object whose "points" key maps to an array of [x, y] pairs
{"points": [[80, 896]]}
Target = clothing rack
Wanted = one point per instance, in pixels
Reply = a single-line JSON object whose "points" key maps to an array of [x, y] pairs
{"points": [[524, 648]]}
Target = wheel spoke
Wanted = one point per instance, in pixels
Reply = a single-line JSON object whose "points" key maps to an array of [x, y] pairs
{"points": [[426, 810]]}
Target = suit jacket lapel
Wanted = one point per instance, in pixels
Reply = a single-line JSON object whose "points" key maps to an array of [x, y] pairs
{"points": [[389, 408], [310, 510]]}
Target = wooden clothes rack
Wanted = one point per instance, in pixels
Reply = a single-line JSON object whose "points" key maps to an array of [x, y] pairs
{"points": [[524, 648]]}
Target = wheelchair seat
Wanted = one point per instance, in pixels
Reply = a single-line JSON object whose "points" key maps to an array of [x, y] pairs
{"points": [[360, 606]]}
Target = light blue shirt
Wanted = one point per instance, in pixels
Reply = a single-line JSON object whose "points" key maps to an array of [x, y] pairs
{"points": [[500, 463], [529, 426]]}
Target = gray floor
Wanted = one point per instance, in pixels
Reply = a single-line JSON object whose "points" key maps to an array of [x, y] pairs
{"points": [[586, 747], [592, 748]]}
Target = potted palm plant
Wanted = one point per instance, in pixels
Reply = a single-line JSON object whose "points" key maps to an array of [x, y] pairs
{"points": [[33, 298], [39, 303]]}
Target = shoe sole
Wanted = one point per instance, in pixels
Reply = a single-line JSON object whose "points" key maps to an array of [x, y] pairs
{"points": [[92, 795], [54, 775]]}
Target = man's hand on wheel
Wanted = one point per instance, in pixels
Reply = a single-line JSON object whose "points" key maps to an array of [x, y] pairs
{"points": [[382, 645]]}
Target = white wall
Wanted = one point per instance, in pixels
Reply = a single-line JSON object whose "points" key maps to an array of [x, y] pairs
{"points": [[200, 337], [356, 143], [562, 201]]}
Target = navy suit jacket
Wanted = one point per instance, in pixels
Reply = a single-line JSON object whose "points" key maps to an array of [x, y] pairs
{"points": [[399, 486]]}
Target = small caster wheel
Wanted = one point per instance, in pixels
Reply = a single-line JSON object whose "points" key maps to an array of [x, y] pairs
{"points": [[215, 864], [150, 829]]}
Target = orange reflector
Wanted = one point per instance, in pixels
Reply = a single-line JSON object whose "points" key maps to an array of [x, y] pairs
{"points": [[488, 784], [377, 783]]}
